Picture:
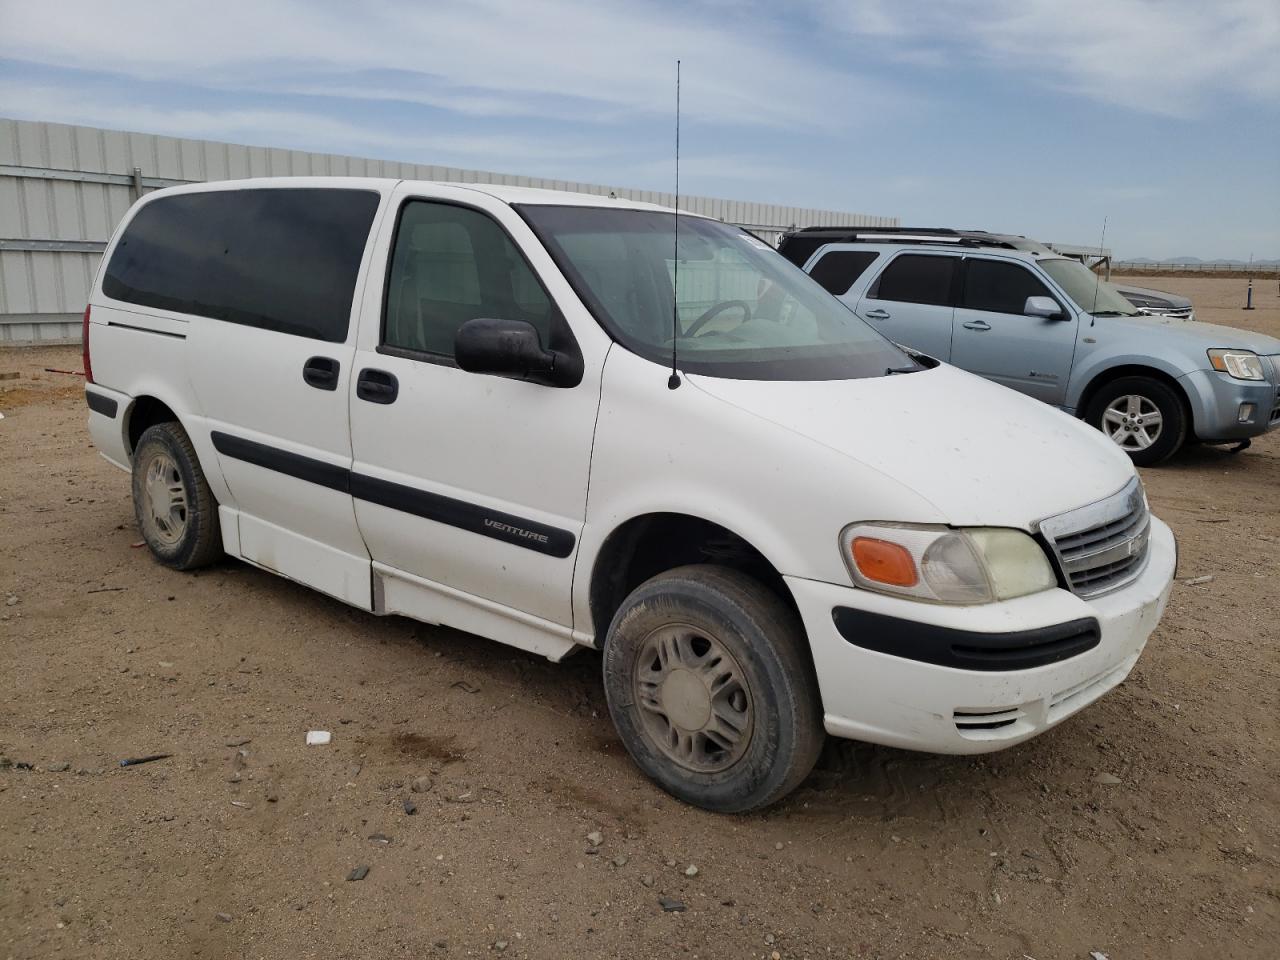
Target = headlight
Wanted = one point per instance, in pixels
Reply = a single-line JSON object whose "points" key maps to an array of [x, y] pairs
{"points": [[942, 565], [1241, 364]]}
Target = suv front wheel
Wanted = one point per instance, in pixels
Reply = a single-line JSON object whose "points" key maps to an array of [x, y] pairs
{"points": [[710, 685], [1142, 416]]}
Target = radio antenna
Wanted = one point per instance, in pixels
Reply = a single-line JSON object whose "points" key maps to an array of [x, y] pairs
{"points": [[674, 380], [1097, 281]]}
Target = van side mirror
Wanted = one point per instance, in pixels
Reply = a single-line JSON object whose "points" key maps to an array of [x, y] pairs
{"points": [[1045, 307], [510, 348]]}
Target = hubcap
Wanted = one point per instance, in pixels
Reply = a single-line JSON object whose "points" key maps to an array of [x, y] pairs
{"points": [[1132, 422], [164, 508], [694, 701]]}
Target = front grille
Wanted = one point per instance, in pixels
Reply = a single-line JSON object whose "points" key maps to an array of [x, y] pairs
{"points": [[1102, 546]]}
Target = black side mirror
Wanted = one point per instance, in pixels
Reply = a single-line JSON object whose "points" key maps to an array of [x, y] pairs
{"points": [[511, 348]]}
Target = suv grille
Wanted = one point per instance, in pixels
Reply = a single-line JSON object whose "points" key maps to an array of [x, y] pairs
{"points": [[1104, 545]]}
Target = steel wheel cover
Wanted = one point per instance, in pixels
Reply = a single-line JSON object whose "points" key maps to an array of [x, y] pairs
{"points": [[164, 500], [693, 698]]}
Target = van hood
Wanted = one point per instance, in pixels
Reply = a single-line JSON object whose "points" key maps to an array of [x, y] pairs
{"points": [[1193, 334], [982, 454]]}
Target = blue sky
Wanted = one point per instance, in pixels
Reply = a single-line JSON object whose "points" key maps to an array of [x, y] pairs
{"points": [[1027, 116]]}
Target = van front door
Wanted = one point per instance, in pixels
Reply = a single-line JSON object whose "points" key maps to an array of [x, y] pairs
{"points": [[470, 490]]}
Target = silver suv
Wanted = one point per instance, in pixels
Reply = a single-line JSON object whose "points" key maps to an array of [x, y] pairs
{"points": [[1012, 310]]}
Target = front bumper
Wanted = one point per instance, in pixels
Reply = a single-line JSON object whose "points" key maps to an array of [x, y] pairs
{"points": [[1216, 401], [879, 697]]}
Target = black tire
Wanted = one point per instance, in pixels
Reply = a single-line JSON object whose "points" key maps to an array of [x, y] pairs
{"points": [[1173, 427], [196, 540], [772, 679]]}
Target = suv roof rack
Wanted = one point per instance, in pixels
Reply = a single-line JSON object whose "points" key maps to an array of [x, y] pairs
{"points": [[799, 245]]}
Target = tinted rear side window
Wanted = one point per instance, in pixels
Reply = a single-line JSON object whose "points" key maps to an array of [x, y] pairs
{"points": [[839, 269], [999, 287], [915, 278], [283, 260]]}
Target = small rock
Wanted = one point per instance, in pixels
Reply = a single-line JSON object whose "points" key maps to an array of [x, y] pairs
{"points": [[691, 871], [777, 846], [58, 767], [1196, 581], [775, 956], [669, 905], [671, 863], [410, 808], [768, 939], [224, 917], [500, 945], [359, 873], [1109, 779], [646, 880], [620, 860], [272, 795], [379, 838], [12, 601], [595, 838], [421, 784], [728, 903]]}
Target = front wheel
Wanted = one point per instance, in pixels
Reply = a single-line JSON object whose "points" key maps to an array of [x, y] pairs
{"points": [[710, 685], [1142, 416]]}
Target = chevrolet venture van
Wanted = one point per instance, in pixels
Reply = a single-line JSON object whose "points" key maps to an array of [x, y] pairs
{"points": [[564, 421]]}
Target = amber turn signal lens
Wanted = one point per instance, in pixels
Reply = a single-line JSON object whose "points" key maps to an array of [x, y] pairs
{"points": [[884, 562]]}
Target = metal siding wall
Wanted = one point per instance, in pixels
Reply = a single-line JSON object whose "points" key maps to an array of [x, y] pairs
{"points": [[42, 293]]}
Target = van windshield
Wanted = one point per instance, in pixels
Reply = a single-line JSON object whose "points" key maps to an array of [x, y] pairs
{"points": [[743, 310], [1082, 285]]}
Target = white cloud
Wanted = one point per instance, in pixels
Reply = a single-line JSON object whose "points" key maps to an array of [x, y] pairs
{"points": [[1171, 57], [470, 57]]}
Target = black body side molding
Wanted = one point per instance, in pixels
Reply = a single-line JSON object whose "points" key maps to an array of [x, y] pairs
{"points": [[966, 649], [471, 517], [101, 403]]}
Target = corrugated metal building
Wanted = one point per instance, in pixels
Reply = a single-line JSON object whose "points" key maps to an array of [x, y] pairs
{"points": [[64, 188]]}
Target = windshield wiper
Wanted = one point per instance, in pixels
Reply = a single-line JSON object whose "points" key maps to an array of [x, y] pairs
{"points": [[1113, 313], [890, 371]]}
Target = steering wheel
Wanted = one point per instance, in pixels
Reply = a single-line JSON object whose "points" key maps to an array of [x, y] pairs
{"points": [[715, 311]]}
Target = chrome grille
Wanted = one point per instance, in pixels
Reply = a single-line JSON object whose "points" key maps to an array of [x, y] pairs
{"points": [[1102, 546]]}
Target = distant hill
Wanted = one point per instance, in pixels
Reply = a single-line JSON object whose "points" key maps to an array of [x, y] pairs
{"points": [[1197, 261]]}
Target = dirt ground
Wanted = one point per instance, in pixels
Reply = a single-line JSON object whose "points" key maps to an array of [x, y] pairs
{"points": [[1147, 826]]}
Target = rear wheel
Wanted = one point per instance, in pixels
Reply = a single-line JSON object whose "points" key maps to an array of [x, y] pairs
{"points": [[176, 512], [712, 690], [1142, 416]]}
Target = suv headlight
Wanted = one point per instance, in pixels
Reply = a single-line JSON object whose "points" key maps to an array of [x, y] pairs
{"points": [[944, 565], [1241, 364]]}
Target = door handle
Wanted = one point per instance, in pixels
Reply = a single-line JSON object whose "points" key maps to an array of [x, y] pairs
{"points": [[877, 314], [976, 325], [321, 373], [377, 386]]}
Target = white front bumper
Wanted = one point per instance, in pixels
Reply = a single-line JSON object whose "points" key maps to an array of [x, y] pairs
{"points": [[899, 702]]}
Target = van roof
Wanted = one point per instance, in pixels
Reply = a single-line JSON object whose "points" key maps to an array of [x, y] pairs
{"points": [[504, 192]]}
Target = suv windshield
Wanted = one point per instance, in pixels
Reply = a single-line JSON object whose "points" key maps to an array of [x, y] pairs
{"points": [[743, 310], [1082, 285]]}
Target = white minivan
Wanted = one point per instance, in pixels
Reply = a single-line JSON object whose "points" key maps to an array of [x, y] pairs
{"points": [[565, 421]]}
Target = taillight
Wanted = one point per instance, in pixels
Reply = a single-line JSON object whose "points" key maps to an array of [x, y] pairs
{"points": [[84, 348]]}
